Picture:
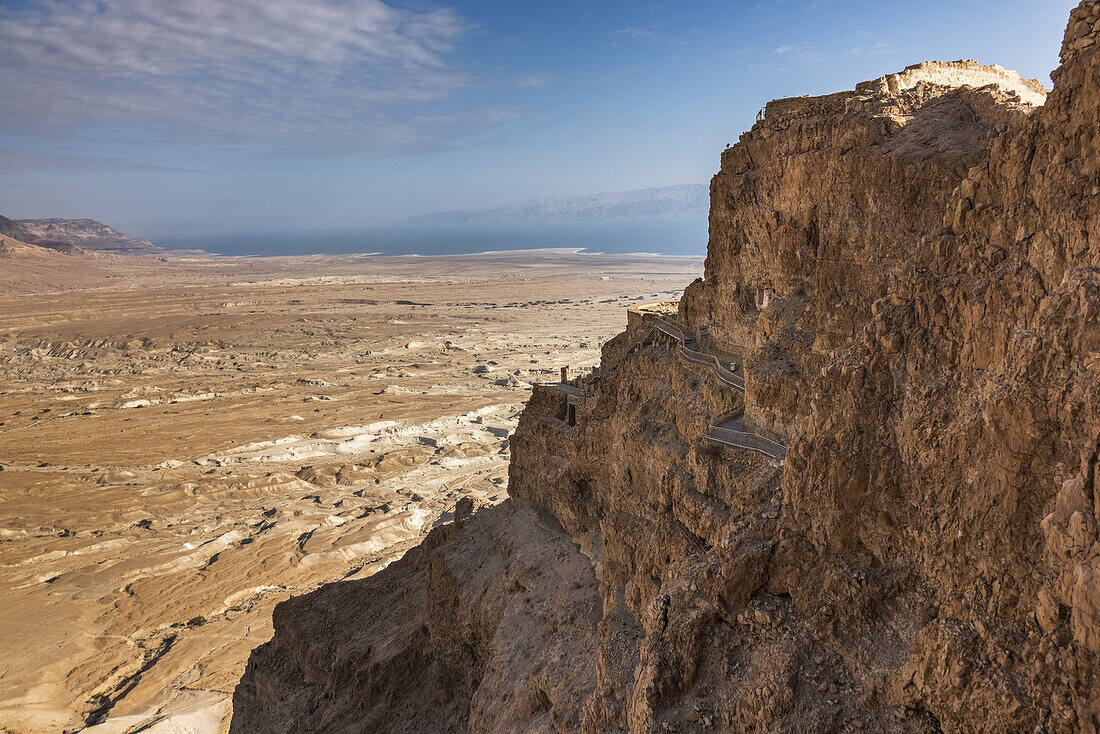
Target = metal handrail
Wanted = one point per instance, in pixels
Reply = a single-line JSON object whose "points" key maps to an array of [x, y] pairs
{"points": [[565, 388], [696, 356], [750, 440], [745, 440], [709, 360], [670, 328]]}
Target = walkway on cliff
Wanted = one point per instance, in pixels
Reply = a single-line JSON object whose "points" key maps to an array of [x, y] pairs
{"points": [[726, 431], [691, 352], [565, 387], [730, 432]]}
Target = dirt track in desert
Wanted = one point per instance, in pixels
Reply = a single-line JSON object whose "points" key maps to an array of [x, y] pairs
{"points": [[185, 443]]}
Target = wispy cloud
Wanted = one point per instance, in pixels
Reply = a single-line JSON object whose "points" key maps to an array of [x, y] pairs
{"points": [[798, 56], [531, 81], [876, 49], [653, 35], [328, 74], [645, 34], [13, 160]]}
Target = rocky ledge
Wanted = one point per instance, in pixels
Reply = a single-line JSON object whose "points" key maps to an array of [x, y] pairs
{"points": [[902, 291]]}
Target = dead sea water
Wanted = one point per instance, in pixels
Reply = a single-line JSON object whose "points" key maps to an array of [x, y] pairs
{"points": [[664, 237]]}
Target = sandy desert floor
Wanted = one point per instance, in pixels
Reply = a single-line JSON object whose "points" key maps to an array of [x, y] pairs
{"points": [[185, 443]]}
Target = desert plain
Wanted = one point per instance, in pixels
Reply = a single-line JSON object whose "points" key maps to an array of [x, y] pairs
{"points": [[187, 441]]}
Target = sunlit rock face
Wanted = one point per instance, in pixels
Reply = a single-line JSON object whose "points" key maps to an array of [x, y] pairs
{"points": [[910, 274]]}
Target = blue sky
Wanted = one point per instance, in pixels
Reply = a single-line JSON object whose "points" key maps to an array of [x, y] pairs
{"points": [[197, 117]]}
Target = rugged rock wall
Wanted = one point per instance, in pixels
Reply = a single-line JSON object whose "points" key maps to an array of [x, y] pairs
{"points": [[87, 234], [13, 230], [911, 272]]}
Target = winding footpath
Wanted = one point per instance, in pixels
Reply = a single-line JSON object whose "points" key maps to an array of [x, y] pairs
{"points": [[726, 431]]}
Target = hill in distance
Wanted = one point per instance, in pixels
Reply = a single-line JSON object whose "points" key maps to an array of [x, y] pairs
{"points": [[86, 234], [670, 203], [18, 241]]}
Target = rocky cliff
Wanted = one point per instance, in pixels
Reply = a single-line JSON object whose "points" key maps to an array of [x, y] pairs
{"points": [[902, 300], [20, 241], [85, 233]]}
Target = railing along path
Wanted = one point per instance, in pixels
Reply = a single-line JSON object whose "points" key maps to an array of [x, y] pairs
{"points": [[690, 353], [725, 432], [718, 432]]}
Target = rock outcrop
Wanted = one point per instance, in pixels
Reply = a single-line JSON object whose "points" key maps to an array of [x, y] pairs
{"points": [[13, 249], [21, 242], [87, 234], [909, 273]]}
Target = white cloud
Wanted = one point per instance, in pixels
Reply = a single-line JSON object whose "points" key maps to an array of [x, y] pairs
{"points": [[532, 81], [325, 74], [782, 49], [878, 49], [634, 32]]}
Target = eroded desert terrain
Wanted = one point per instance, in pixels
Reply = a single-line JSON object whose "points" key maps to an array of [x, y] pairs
{"points": [[186, 442]]}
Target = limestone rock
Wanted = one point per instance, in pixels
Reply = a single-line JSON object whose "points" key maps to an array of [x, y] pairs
{"points": [[467, 506]]}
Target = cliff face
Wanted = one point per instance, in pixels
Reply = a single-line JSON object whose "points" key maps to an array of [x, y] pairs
{"points": [[16, 235], [903, 287], [85, 233]]}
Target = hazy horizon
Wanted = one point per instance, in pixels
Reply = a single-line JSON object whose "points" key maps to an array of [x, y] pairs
{"points": [[191, 119], [684, 237]]}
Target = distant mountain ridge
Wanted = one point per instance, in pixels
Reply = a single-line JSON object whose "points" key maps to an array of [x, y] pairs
{"points": [[15, 239], [86, 234], [688, 201]]}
